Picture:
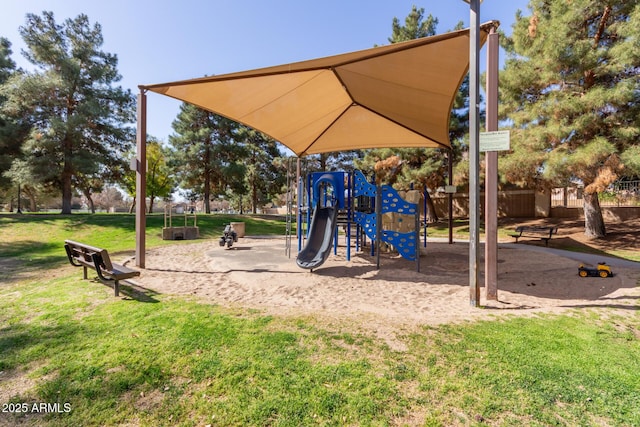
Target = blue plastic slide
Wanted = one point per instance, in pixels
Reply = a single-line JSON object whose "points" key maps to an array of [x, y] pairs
{"points": [[320, 238]]}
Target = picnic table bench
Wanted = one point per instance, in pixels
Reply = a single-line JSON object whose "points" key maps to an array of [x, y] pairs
{"points": [[544, 233], [82, 255]]}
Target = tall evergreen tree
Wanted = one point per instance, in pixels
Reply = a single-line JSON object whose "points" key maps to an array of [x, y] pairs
{"points": [[207, 158], [80, 120], [415, 26], [12, 130], [263, 178], [422, 168], [7, 65], [571, 87]]}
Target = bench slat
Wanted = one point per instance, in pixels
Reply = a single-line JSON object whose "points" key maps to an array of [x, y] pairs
{"points": [[121, 272]]}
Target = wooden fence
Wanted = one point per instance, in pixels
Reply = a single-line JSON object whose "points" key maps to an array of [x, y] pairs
{"points": [[558, 203]]}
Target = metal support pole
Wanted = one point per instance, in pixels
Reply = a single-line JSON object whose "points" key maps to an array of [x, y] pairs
{"points": [[450, 195], [474, 152], [349, 213], [491, 174], [141, 178], [287, 248], [417, 246], [300, 200], [378, 224]]}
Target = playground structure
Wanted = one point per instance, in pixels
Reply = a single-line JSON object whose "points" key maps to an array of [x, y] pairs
{"points": [[357, 114], [184, 232], [349, 200]]}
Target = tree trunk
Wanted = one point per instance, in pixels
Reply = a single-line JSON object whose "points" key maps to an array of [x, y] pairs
{"points": [[431, 214], [66, 191], [33, 203], [133, 206], [67, 174], [151, 199], [92, 206], [207, 178], [254, 199], [207, 193], [323, 161], [593, 222]]}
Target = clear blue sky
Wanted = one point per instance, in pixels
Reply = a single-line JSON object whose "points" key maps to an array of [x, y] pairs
{"points": [[160, 41]]}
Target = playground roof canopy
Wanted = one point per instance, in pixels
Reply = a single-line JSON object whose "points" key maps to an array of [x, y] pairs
{"points": [[398, 95]]}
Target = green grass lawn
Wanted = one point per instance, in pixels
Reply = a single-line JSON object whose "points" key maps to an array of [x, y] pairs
{"points": [[38, 240], [172, 361]]}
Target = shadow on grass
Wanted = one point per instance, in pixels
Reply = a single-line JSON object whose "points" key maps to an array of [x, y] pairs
{"points": [[73, 221], [27, 259], [68, 360], [131, 290], [570, 244], [33, 250], [40, 339]]}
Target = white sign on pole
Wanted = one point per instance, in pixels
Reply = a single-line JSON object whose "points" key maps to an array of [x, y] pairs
{"points": [[495, 141]]}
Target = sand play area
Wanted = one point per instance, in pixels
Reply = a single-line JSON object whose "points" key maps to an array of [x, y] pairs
{"points": [[257, 273]]}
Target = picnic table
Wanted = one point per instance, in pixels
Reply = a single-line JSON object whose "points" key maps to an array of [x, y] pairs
{"points": [[542, 232]]}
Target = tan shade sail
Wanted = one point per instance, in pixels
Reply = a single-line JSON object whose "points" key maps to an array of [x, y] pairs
{"points": [[399, 95]]}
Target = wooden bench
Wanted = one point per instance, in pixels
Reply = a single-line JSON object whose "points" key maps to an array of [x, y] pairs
{"points": [[544, 233], [81, 255]]}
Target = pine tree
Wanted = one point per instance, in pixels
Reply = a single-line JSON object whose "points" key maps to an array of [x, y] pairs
{"points": [[415, 26], [206, 156], [12, 130], [571, 87], [80, 120], [420, 168], [262, 177]]}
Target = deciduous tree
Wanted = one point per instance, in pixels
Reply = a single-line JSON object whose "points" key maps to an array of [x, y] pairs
{"points": [[160, 176]]}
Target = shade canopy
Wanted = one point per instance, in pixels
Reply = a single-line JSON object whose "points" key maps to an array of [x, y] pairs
{"points": [[399, 95]]}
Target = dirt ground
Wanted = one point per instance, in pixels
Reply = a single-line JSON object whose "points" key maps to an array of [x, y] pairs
{"points": [[620, 235], [257, 273]]}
